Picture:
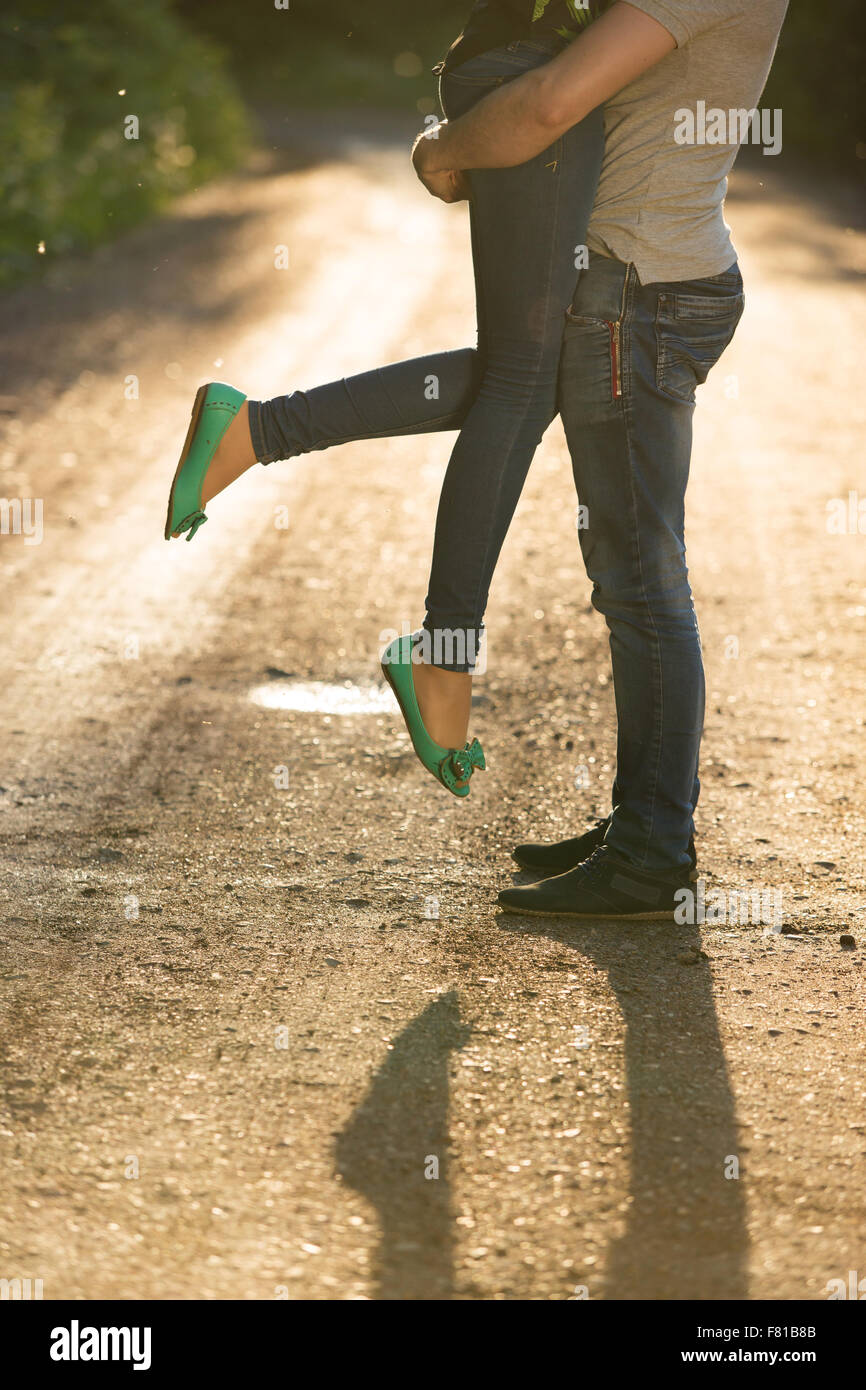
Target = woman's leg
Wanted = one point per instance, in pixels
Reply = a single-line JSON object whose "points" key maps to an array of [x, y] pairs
{"points": [[419, 396], [525, 268], [528, 223]]}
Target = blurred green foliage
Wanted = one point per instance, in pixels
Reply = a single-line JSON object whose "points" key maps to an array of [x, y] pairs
{"points": [[382, 27], [818, 82], [333, 52], [317, 52], [69, 177]]}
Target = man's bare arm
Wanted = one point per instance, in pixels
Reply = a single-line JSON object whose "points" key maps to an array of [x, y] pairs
{"points": [[525, 116]]}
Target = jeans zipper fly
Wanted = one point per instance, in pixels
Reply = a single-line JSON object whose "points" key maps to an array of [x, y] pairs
{"points": [[613, 327]]}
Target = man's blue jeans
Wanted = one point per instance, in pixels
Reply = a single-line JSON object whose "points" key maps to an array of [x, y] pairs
{"points": [[632, 356]]}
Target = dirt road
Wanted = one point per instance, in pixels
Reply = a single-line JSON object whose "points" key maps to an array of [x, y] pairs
{"points": [[255, 991]]}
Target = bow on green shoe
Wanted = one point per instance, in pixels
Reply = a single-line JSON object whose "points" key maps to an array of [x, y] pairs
{"points": [[214, 408], [449, 766]]}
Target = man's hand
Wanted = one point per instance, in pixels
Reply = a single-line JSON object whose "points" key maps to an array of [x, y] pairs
{"points": [[451, 185], [516, 121]]}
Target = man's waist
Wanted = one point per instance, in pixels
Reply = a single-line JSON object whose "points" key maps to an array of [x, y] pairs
{"points": [[658, 258]]}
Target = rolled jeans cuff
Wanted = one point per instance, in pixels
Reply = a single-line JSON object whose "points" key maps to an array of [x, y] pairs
{"points": [[257, 434], [451, 646]]}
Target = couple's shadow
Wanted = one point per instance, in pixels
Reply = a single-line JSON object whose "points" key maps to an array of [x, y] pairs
{"points": [[686, 1234]]}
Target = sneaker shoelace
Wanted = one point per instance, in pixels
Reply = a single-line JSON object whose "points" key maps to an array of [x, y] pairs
{"points": [[591, 867]]}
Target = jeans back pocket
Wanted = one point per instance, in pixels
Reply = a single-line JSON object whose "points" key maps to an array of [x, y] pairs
{"points": [[692, 332]]}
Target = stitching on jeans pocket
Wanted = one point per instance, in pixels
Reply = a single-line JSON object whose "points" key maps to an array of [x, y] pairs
{"points": [[685, 356], [674, 307]]}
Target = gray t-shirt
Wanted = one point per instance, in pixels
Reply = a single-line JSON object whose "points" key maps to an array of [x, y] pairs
{"points": [[664, 177]]}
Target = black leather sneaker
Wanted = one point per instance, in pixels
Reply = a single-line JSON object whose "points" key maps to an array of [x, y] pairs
{"points": [[602, 886], [567, 854]]}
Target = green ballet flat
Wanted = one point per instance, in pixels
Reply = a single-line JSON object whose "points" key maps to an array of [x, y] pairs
{"points": [[214, 408], [448, 765]]}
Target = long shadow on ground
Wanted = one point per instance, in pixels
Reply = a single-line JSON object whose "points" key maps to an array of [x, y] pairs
{"points": [[389, 1146], [685, 1234]]}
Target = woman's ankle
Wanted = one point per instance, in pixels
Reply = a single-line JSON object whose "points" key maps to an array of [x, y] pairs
{"points": [[234, 455], [445, 701]]}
